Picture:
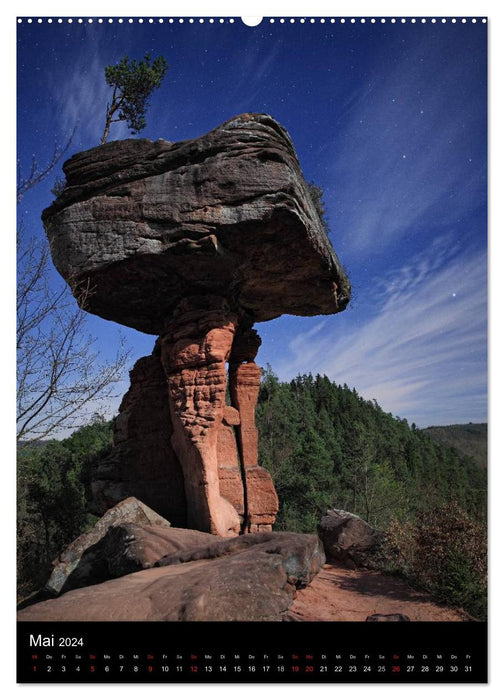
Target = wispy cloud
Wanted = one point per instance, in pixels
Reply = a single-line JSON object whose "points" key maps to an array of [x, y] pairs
{"points": [[421, 355], [404, 151], [257, 66], [80, 95]]}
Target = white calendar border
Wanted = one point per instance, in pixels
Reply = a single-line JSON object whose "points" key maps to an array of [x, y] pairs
{"points": [[258, 8]]}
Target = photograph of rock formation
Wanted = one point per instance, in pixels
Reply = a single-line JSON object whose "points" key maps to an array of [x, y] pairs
{"points": [[251, 330]]}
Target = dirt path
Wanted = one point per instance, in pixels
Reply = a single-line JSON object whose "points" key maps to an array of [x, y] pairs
{"points": [[345, 595]]}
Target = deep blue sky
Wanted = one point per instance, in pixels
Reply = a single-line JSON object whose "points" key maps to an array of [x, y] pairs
{"points": [[390, 120]]}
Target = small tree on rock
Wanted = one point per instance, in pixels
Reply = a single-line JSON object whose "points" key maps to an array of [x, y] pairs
{"points": [[133, 83]]}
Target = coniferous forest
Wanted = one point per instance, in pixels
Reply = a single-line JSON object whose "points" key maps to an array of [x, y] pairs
{"points": [[326, 447]]}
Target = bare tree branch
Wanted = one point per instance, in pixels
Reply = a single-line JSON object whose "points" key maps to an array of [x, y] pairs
{"points": [[60, 377], [37, 174]]}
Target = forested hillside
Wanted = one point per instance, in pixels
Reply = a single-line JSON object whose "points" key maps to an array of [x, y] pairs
{"points": [[52, 508], [470, 439], [328, 447]]}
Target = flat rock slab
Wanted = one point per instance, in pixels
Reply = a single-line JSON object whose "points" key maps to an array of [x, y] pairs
{"points": [[141, 225], [130, 510], [338, 594], [227, 581], [128, 547]]}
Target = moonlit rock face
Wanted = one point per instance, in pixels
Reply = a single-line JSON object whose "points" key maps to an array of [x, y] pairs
{"points": [[142, 225]]}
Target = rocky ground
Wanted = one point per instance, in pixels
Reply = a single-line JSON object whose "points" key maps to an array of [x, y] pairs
{"points": [[133, 565], [145, 572], [339, 594]]}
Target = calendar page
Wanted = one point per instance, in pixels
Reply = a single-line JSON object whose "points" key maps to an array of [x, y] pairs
{"points": [[251, 390]]}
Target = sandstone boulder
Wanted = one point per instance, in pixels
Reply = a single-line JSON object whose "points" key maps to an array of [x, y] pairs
{"points": [[303, 555], [128, 547], [129, 510], [251, 578], [392, 617], [349, 539], [142, 463], [142, 225]]}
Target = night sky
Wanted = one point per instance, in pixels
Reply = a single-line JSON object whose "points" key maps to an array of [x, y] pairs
{"points": [[389, 119]]}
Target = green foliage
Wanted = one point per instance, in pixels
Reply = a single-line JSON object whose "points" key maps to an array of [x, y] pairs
{"points": [[469, 440], [443, 550], [51, 501], [326, 446], [133, 83], [316, 194], [59, 186], [292, 448]]}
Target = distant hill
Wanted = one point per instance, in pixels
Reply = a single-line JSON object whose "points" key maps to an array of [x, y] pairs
{"points": [[468, 440], [23, 444]]}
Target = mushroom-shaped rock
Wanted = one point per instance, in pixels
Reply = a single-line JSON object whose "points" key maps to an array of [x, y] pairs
{"points": [[195, 242]]}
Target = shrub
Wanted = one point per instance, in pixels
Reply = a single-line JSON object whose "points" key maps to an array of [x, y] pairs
{"points": [[316, 194], [59, 186], [445, 552]]}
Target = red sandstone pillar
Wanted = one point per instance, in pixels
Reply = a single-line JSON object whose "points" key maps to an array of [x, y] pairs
{"points": [[194, 351], [244, 380], [229, 463]]}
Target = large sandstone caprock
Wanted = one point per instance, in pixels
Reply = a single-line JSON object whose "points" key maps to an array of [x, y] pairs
{"points": [[194, 242], [143, 225]]}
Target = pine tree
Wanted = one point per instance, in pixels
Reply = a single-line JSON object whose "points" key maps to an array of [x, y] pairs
{"points": [[133, 83]]}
